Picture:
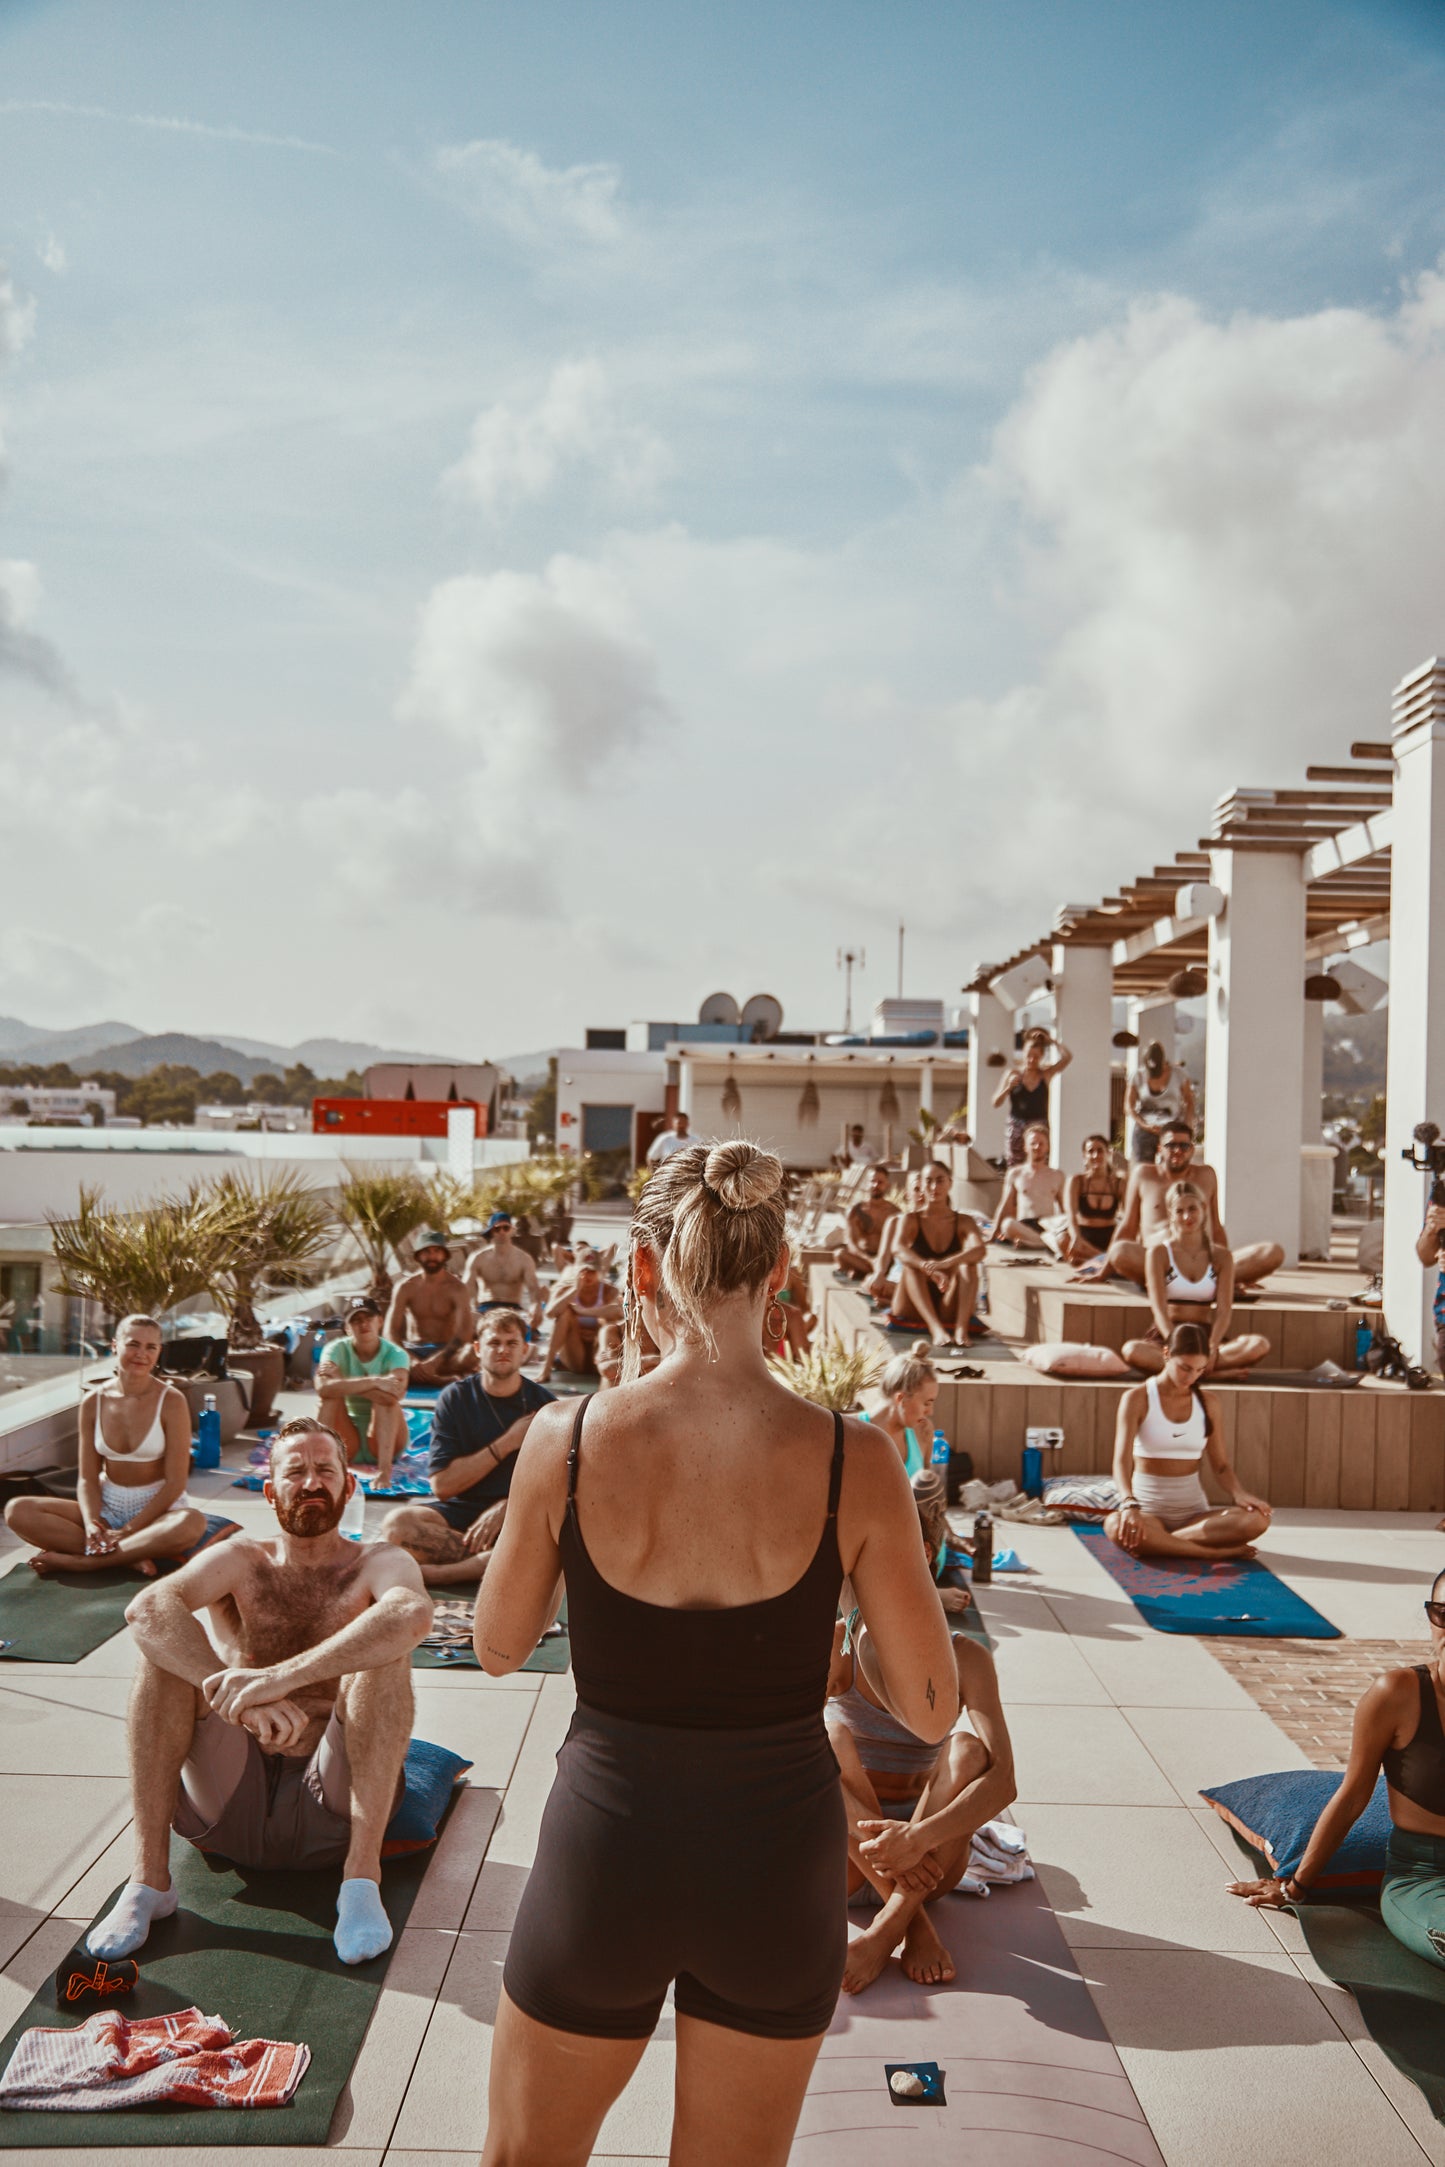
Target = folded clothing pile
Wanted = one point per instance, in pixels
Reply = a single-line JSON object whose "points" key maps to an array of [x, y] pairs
{"points": [[998, 1855], [184, 2060]]}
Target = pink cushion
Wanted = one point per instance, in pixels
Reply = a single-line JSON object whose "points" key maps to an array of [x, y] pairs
{"points": [[1071, 1358]]}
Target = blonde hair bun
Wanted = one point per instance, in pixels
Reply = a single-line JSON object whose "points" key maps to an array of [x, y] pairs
{"points": [[741, 1176]]}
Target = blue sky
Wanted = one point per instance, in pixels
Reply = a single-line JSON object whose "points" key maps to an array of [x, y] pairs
{"points": [[543, 511]]}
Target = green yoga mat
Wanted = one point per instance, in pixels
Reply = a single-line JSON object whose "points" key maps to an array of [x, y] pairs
{"points": [[254, 1949], [549, 1655], [64, 1616], [1400, 1996]]}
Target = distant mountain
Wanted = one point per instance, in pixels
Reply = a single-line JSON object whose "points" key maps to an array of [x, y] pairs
{"points": [[32, 1042], [121, 1047]]}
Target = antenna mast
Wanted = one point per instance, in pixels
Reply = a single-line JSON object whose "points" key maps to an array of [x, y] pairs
{"points": [[847, 958]]}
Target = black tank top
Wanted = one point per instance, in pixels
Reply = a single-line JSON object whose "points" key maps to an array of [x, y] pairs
{"points": [[1417, 1771], [740, 1668], [1029, 1102], [923, 1247]]}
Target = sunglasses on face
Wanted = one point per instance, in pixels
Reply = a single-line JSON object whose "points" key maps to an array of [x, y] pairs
{"points": [[1435, 1612]]}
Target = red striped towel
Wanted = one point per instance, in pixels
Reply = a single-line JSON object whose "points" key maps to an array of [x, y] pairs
{"points": [[185, 2059]]}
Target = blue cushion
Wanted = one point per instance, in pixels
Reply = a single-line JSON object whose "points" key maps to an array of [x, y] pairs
{"points": [[1277, 1814], [431, 1776]]}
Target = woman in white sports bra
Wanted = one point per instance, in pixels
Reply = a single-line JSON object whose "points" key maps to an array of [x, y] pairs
{"points": [[1166, 1429], [130, 1505], [1190, 1280]]}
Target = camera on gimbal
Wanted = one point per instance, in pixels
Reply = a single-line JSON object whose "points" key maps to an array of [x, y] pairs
{"points": [[1427, 1155]]}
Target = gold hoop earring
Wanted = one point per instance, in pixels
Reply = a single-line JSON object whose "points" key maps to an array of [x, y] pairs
{"points": [[780, 1329]]}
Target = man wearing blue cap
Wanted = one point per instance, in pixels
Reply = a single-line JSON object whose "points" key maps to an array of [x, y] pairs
{"points": [[501, 1275]]}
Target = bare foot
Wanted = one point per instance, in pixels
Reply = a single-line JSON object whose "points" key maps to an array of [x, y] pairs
{"points": [[145, 1566], [924, 1957], [46, 1562], [868, 1952]]}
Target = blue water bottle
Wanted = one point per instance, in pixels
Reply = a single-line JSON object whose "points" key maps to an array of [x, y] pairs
{"points": [[939, 1456], [1031, 1474], [208, 1434], [1364, 1340]]}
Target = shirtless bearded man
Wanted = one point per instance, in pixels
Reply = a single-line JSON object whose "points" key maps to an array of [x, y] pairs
{"points": [[1145, 1217], [503, 1276], [283, 1744], [440, 1309], [857, 1256]]}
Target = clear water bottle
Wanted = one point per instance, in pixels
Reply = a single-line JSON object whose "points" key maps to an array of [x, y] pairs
{"points": [[353, 1519], [208, 1434], [982, 1550], [939, 1456]]}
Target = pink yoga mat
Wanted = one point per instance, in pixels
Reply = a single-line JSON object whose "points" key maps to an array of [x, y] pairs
{"points": [[1031, 2074]]}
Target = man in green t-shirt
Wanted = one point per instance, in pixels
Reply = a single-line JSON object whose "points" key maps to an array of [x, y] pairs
{"points": [[362, 1381]]}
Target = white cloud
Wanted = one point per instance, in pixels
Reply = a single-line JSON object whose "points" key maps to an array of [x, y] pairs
{"points": [[17, 317], [24, 651], [504, 186], [51, 251], [512, 457], [166, 124], [1236, 536], [542, 675], [48, 981]]}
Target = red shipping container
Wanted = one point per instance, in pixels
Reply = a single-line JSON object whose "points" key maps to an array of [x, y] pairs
{"points": [[389, 1117]]}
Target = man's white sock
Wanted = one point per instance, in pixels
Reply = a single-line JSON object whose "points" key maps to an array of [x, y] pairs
{"points": [[126, 1924], [363, 1929]]}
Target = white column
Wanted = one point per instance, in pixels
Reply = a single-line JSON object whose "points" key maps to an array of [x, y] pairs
{"points": [[684, 1087], [1415, 1061], [990, 1030], [925, 1087], [1312, 1074], [1254, 1058], [1084, 1021], [1150, 1017]]}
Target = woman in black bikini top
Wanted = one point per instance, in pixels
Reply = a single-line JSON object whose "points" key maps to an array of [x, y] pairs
{"points": [[1092, 1201], [1398, 1727], [704, 1518]]}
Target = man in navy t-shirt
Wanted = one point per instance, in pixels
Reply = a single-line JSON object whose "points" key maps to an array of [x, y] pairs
{"points": [[480, 1422]]}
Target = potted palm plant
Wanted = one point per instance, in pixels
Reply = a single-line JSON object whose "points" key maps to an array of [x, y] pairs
{"points": [[151, 1259], [379, 1210], [276, 1230], [830, 1374]]}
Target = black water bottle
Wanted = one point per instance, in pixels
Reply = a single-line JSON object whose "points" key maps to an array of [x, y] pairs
{"points": [[982, 1550]]}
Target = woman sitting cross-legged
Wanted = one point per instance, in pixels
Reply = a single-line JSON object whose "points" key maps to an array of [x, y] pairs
{"points": [[130, 1505], [1400, 1727], [939, 1250], [1166, 1427], [1190, 1280]]}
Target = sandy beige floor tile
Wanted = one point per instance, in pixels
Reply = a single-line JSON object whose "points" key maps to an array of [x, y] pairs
{"points": [[1138, 1876], [54, 1831], [514, 1840], [487, 1727], [1036, 1659], [1139, 1668], [1203, 1747], [1083, 1756], [50, 1727], [1235, 2060], [445, 2107], [368, 2107], [456, 1862], [1406, 2098]]}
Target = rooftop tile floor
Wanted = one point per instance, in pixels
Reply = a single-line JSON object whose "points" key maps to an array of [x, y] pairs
{"points": [[1237, 2047]]}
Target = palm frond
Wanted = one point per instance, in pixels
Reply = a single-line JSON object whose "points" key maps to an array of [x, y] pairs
{"points": [[829, 1373], [151, 1258], [379, 1209]]}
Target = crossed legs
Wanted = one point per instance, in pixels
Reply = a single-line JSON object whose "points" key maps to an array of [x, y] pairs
{"points": [[54, 1526], [438, 1548], [962, 1760], [1230, 1532], [944, 1311]]}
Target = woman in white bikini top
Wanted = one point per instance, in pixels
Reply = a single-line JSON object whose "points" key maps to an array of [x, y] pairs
{"points": [[130, 1506], [1190, 1280]]}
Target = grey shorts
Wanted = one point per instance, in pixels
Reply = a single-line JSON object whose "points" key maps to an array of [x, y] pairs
{"points": [[265, 1809]]}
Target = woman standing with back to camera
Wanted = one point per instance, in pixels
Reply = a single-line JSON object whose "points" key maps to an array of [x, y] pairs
{"points": [[704, 1518]]}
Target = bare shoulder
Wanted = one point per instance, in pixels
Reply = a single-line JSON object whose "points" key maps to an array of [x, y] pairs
{"points": [[386, 1565], [871, 1466], [1133, 1400]]}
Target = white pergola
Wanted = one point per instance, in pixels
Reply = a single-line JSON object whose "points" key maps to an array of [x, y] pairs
{"points": [[1286, 880]]}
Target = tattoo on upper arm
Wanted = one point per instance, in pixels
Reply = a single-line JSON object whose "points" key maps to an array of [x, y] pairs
{"points": [[504, 1654], [930, 1693]]}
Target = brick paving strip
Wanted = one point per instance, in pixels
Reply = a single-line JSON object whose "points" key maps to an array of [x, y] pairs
{"points": [[1310, 1687]]}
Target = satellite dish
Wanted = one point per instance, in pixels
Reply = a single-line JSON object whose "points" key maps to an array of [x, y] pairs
{"points": [[719, 1008], [763, 1016]]}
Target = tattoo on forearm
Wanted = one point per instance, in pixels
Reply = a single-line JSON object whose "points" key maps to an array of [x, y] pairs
{"points": [[930, 1693], [503, 1654]]}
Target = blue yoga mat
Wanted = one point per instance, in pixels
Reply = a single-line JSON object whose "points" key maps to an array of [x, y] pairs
{"points": [[1241, 1597]]}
